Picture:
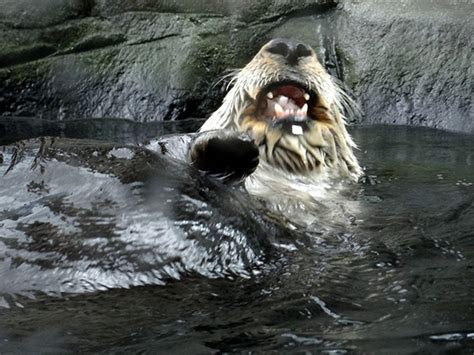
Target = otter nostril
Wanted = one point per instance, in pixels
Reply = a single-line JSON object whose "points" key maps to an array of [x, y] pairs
{"points": [[279, 48], [302, 50], [292, 51]]}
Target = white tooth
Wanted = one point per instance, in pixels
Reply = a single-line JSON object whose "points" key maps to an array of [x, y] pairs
{"points": [[304, 110], [270, 95], [283, 100], [299, 112], [287, 112], [297, 130], [278, 110], [306, 96]]}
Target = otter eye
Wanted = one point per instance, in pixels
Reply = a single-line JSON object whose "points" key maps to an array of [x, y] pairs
{"points": [[279, 48]]}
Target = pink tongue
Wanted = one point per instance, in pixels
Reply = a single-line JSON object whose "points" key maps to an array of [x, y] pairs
{"points": [[289, 105]]}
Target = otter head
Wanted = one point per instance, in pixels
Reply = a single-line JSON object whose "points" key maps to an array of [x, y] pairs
{"points": [[292, 109]]}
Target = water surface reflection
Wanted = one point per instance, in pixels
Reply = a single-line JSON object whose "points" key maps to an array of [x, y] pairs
{"points": [[186, 265]]}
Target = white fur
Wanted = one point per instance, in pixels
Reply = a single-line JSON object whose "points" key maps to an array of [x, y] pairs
{"points": [[292, 194]]}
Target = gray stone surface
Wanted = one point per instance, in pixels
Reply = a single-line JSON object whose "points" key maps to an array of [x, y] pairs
{"points": [[410, 62], [406, 62]]}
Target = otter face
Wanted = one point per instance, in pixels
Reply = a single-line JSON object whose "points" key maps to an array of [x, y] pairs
{"points": [[292, 109]]}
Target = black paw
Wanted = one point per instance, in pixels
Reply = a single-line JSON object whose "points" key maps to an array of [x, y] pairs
{"points": [[226, 156]]}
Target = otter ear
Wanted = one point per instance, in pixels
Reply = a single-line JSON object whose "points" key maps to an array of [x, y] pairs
{"points": [[223, 155]]}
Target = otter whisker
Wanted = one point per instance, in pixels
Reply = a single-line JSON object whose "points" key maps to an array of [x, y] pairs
{"points": [[229, 75]]}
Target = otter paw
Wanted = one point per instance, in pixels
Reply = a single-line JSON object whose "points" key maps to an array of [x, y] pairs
{"points": [[223, 155]]}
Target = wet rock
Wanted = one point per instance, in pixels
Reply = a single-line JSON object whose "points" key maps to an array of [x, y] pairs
{"points": [[245, 10], [148, 60], [410, 63], [132, 59], [166, 71], [29, 14]]}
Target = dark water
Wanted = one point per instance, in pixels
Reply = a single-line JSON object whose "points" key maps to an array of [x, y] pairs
{"points": [[189, 266]]}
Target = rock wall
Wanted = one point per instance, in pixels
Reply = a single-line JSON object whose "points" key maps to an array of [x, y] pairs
{"points": [[407, 62]]}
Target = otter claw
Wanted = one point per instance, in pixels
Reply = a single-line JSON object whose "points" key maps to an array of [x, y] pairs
{"points": [[228, 157]]}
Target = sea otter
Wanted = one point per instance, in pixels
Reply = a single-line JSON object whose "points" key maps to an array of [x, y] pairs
{"points": [[82, 215], [280, 127]]}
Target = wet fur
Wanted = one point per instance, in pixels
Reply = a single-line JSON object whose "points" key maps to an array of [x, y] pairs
{"points": [[326, 146], [300, 167]]}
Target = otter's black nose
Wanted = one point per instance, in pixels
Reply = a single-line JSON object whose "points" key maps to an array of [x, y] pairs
{"points": [[292, 51]]}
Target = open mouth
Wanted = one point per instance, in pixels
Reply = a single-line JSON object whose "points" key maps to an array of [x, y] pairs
{"points": [[284, 101]]}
